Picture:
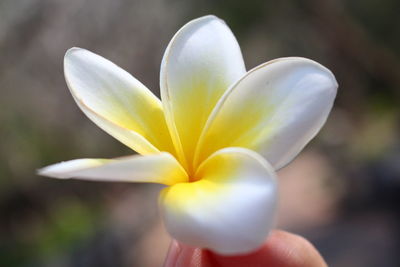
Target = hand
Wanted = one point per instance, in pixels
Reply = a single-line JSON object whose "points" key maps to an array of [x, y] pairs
{"points": [[282, 249]]}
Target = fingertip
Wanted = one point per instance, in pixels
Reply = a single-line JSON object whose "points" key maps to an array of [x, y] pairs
{"points": [[292, 250], [281, 249]]}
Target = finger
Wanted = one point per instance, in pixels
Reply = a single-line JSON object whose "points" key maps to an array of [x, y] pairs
{"points": [[184, 256], [282, 249]]}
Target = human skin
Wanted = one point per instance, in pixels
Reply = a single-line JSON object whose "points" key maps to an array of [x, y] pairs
{"points": [[282, 249]]}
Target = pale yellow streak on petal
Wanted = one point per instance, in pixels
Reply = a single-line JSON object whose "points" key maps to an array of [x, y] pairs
{"points": [[275, 109], [229, 209], [160, 168], [126, 136], [117, 102], [202, 60]]}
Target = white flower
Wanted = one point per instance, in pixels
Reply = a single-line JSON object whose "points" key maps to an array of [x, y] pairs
{"points": [[216, 137]]}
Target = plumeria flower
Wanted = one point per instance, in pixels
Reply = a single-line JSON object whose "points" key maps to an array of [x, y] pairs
{"points": [[216, 137]]}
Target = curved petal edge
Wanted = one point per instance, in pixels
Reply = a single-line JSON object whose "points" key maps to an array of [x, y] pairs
{"points": [[230, 210], [117, 102], [156, 168], [200, 63], [275, 109]]}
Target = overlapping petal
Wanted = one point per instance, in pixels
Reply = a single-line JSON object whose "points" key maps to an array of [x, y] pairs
{"points": [[230, 209], [275, 109], [202, 60], [224, 131], [117, 102], [156, 168]]}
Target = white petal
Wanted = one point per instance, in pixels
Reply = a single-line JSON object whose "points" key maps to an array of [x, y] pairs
{"points": [[230, 210], [157, 168], [202, 60], [117, 102], [275, 109]]}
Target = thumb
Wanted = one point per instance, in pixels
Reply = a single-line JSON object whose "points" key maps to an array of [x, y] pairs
{"points": [[282, 249]]}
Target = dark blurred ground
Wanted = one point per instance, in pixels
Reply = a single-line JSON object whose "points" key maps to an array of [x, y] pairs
{"points": [[342, 192]]}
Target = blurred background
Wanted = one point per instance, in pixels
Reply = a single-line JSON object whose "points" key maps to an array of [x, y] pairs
{"points": [[342, 192]]}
